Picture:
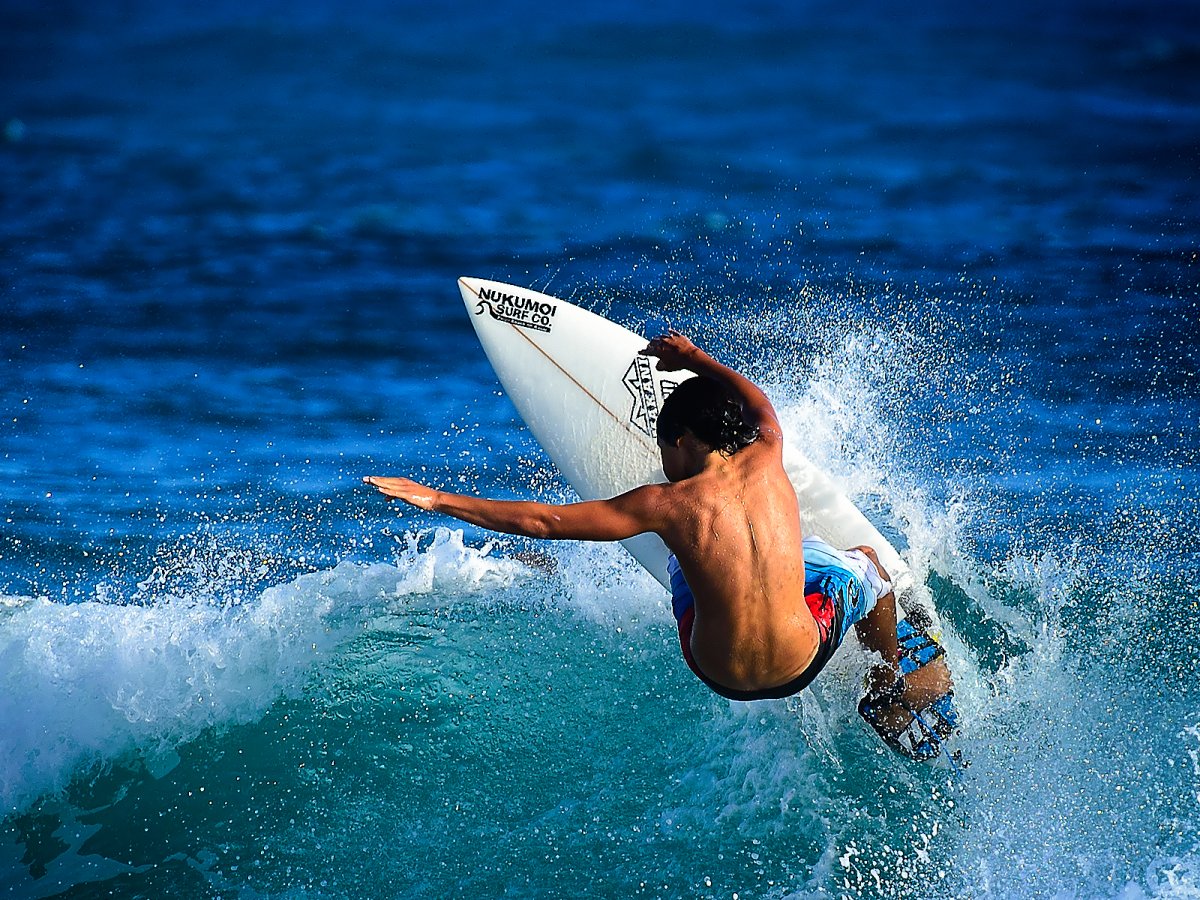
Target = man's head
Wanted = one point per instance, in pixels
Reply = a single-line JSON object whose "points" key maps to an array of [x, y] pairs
{"points": [[703, 408]]}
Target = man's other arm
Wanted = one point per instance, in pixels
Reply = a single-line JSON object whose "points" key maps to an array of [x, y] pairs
{"points": [[620, 517]]}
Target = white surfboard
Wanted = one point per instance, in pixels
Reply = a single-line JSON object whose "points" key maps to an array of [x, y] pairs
{"points": [[592, 402]]}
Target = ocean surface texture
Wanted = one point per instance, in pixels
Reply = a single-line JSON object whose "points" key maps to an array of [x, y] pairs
{"points": [[959, 244]]}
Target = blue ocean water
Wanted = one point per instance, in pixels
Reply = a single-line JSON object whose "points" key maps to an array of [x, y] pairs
{"points": [[958, 246]]}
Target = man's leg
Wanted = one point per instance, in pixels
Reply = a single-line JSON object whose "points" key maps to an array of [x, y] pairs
{"points": [[877, 631]]}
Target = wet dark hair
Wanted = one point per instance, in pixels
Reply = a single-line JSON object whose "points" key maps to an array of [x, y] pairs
{"points": [[706, 409]]}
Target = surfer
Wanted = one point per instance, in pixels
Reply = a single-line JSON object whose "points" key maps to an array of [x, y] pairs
{"points": [[760, 609]]}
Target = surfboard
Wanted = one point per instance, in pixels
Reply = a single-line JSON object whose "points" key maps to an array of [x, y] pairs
{"points": [[592, 402]]}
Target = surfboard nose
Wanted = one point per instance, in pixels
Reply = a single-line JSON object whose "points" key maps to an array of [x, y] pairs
{"points": [[469, 287]]}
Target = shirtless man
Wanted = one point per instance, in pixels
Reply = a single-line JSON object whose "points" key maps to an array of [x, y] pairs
{"points": [[754, 621]]}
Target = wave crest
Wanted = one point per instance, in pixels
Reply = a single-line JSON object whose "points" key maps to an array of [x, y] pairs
{"points": [[87, 684]]}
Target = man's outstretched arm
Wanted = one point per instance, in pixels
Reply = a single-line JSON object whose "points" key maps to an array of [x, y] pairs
{"points": [[674, 352], [621, 517]]}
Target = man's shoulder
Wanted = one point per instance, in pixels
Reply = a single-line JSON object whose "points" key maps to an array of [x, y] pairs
{"points": [[651, 496], [767, 450], [673, 498], [770, 437]]}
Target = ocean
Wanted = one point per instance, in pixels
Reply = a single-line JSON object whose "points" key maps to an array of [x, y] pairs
{"points": [[959, 247]]}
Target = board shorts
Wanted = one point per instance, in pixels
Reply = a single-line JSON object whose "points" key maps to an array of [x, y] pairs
{"points": [[840, 588]]}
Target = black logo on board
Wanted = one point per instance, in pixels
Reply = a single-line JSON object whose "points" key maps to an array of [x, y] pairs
{"points": [[515, 309], [647, 396]]}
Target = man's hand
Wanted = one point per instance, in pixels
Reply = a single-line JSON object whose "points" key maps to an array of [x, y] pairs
{"points": [[409, 491], [673, 350], [676, 352]]}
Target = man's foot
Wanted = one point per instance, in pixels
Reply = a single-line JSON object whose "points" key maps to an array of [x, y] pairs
{"points": [[915, 733], [883, 705]]}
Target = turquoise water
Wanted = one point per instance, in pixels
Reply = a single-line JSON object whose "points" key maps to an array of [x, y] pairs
{"points": [[958, 248]]}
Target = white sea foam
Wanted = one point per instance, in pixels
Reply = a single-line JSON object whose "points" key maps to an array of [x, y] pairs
{"points": [[604, 584], [85, 684]]}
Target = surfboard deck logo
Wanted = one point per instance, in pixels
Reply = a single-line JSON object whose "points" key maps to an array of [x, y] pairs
{"points": [[516, 309], [647, 398]]}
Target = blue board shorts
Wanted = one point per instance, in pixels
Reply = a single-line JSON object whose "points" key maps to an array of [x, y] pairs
{"points": [[840, 587]]}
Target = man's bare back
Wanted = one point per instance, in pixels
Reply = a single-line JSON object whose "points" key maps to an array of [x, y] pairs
{"points": [[735, 529]]}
